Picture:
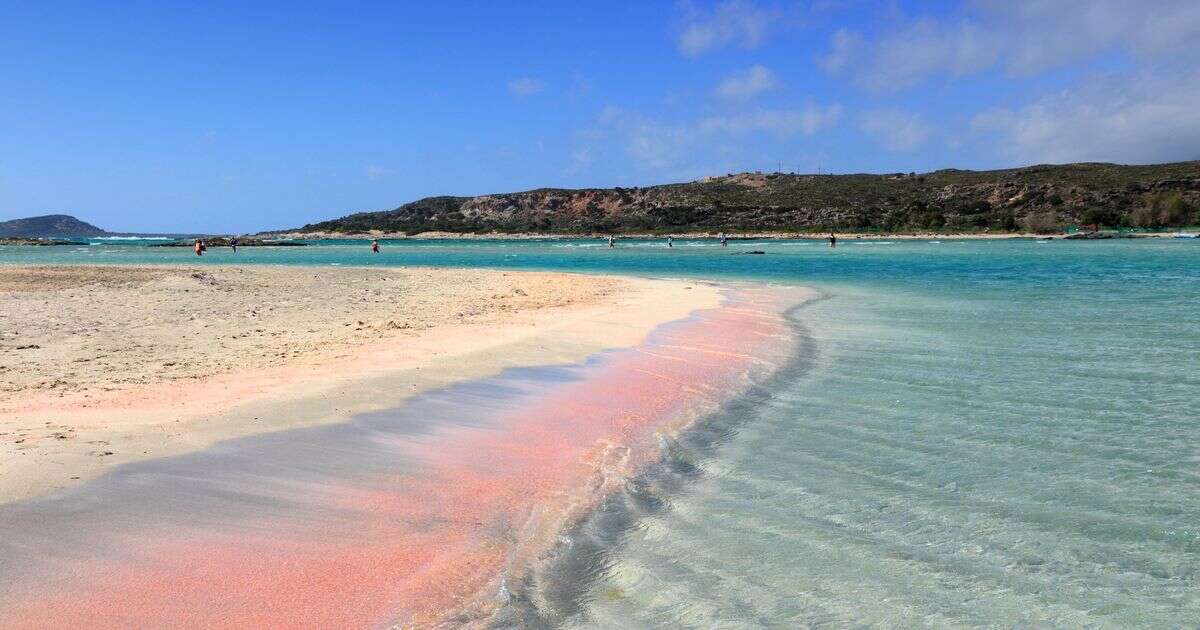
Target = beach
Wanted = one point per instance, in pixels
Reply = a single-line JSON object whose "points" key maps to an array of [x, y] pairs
{"points": [[886, 433], [234, 446], [107, 364], [709, 314]]}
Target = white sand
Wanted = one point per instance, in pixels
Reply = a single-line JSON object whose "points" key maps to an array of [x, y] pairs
{"points": [[130, 363]]}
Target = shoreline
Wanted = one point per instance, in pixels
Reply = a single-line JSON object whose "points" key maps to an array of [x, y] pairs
{"points": [[55, 437], [421, 533], [541, 598], [733, 237]]}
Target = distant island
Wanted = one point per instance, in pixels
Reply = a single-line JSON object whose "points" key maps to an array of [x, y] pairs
{"points": [[52, 226], [64, 229], [1034, 199]]}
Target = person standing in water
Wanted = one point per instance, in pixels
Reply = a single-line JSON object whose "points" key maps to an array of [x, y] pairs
{"points": [[375, 246], [199, 247], [670, 241], [724, 241], [233, 242], [612, 241], [832, 240]]}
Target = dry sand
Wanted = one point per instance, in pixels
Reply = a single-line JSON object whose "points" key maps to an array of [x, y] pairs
{"points": [[101, 365]]}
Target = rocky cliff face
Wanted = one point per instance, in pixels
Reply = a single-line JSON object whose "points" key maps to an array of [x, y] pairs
{"points": [[49, 226], [1039, 198]]}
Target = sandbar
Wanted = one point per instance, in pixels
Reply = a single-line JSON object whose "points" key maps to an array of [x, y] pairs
{"points": [[103, 365]]}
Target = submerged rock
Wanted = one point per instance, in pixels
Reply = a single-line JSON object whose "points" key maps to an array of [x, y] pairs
{"points": [[20, 240]]}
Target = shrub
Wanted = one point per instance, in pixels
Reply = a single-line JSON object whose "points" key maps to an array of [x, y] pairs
{"points": [[1162, 209], [1173, 209], [932, 220], [1041, 222], [1100, 216], [1005, 220]]}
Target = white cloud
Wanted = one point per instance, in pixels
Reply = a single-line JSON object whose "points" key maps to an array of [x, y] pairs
{"points": [[650, 142], [610, 113], [845, 45], [374, 171], [1133, 119], [735, 22], [581, 156], [1046, 34], [660, 146], [908, 56], [899, 130], [743, 87], [1022, 36], [579, 84], [780, 122], [526, 86], [581, 160]]}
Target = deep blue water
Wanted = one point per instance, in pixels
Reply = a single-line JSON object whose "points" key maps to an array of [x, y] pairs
{"points": [[1000, 433]]}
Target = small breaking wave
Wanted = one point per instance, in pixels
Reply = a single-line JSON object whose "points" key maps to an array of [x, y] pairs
{"points": [[557, 590], [132, 238]]}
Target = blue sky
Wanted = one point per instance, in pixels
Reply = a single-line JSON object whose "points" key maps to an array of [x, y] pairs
{"points": [[219, 117]]}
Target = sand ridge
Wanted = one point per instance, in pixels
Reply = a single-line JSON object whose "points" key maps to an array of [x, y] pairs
{"points": [[375, 523], [96, 329], [129, 363]]}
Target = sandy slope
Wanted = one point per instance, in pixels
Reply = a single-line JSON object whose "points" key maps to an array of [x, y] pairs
{"points": [[102, 365]]}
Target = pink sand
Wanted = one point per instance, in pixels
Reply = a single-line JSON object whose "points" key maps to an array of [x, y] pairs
{"points": [[487, 503]]}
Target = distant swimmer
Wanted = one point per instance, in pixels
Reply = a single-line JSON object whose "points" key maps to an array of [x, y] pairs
{"points": [[724, 241], [670, 242], [199, 247], [375, 246], [612, 241], [832, 240]]}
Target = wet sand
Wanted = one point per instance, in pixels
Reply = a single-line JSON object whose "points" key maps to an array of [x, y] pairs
{"points": [[429, 513], [104, 365]]}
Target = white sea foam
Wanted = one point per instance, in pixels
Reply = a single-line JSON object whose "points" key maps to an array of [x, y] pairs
{"points": [[132, 238]]}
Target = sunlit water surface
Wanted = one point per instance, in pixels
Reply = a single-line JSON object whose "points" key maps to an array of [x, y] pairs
{"points": [[973, 433]]}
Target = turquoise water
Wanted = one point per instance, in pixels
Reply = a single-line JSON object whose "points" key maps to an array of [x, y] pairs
{"points": [[974, 433]]}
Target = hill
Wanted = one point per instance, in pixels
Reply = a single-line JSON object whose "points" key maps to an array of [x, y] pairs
{"points": [[1036, 198], [49, 226]]}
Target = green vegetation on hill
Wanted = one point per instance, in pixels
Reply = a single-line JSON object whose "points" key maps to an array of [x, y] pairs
{"points": [[1035, 198], [49, 226]]}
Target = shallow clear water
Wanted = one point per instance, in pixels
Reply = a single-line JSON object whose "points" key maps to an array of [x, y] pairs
{"points": [[978, 433]]}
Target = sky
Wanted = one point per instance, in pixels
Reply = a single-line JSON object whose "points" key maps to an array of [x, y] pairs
{"points": [[237, 117]]}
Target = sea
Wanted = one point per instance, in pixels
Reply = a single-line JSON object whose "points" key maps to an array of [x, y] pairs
{"points": [[996, 433]]}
